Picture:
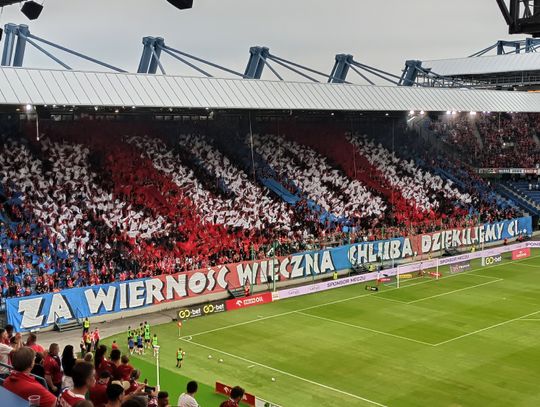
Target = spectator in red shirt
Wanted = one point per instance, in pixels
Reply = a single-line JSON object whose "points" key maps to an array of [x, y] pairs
{"points": [[9, 329], [84, 377], [31, 342], [22, 383], [115, 394], [98, 393], [114, 363], [236, 395], [125, 369], [53, 369], [114, 345]]}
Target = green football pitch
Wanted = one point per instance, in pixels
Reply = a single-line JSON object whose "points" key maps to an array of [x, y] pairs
{"points": [[469, 339]]}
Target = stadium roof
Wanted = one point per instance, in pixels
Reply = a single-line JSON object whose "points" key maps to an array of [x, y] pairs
{"points": [[20, 86], [484, 65]]}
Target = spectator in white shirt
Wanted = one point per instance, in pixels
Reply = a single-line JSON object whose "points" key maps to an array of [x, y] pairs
{"points": [[187, 399]]}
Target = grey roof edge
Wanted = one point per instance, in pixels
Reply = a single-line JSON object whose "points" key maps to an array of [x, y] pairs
{"points": [[355, 97]]}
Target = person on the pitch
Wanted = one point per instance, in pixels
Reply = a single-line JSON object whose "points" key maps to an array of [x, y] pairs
{"points": [[155, 345], [147, 336], [179, 357], [129, 333], [140, 347], [86, 326]]}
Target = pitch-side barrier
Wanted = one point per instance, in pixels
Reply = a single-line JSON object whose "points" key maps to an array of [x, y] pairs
{"points": [[518, 250]]}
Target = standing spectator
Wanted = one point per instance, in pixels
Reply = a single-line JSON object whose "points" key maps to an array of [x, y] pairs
{"points": [[68, 361], [38, 369], [31, 342], [187, 399], [163, 399], [99, 358], [114, 345], [84, 378], [114, 363], [22, 383], [98, 392], [53, 369], [125, 369], [236, 396], [9, 329], [5, 351], [115, 395]]}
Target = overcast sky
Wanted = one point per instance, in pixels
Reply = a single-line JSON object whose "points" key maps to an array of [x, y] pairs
{"points": [[383, 33]]}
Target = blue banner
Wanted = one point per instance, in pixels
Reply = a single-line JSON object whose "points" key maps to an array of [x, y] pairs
{"points": [[38, 311]]}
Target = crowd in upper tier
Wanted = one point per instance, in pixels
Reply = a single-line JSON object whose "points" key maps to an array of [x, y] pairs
{"points": [[493, 140], [80, 210]]}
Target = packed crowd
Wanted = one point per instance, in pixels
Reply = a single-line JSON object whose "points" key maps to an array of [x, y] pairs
{"points": [[493, 140], [99, 209], [426, 192], [95, 377], [313, 178]]}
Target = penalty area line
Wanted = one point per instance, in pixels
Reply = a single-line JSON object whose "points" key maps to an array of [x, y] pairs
{"points": [[487, 328], [455, 291], [324, 386]]}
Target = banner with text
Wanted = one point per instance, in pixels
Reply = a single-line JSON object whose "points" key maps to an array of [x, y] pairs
{"points": [[38, 311]]}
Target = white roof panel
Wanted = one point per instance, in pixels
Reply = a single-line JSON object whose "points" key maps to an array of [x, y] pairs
{"points": [[19, 86], [492, 64]]}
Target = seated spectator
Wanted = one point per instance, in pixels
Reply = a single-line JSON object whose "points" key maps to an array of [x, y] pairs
{"points": [[22, 383], [187, 399], [98, 393], [84, 378], [236, 396]]}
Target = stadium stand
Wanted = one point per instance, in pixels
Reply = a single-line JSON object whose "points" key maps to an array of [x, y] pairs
{"points": [[83, 207], [492, 140]]}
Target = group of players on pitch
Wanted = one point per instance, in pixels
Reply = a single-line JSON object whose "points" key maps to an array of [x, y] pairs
{"points": [[139, 339]]}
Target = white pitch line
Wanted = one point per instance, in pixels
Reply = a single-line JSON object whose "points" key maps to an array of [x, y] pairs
{"points": [[324, 386], [530, 319], [529, 265], [487, 328], [366, 329], [250, 366], [455, 291], [480, 275], [251, 321], [381, 297]]}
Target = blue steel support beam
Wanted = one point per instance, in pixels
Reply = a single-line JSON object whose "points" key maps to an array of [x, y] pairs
{"points": [[408, 78], [23, 33], [148, 46], [10, 34], [340, 69], [154, 61], [501, 44], [256, 63], [531, 44]]}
